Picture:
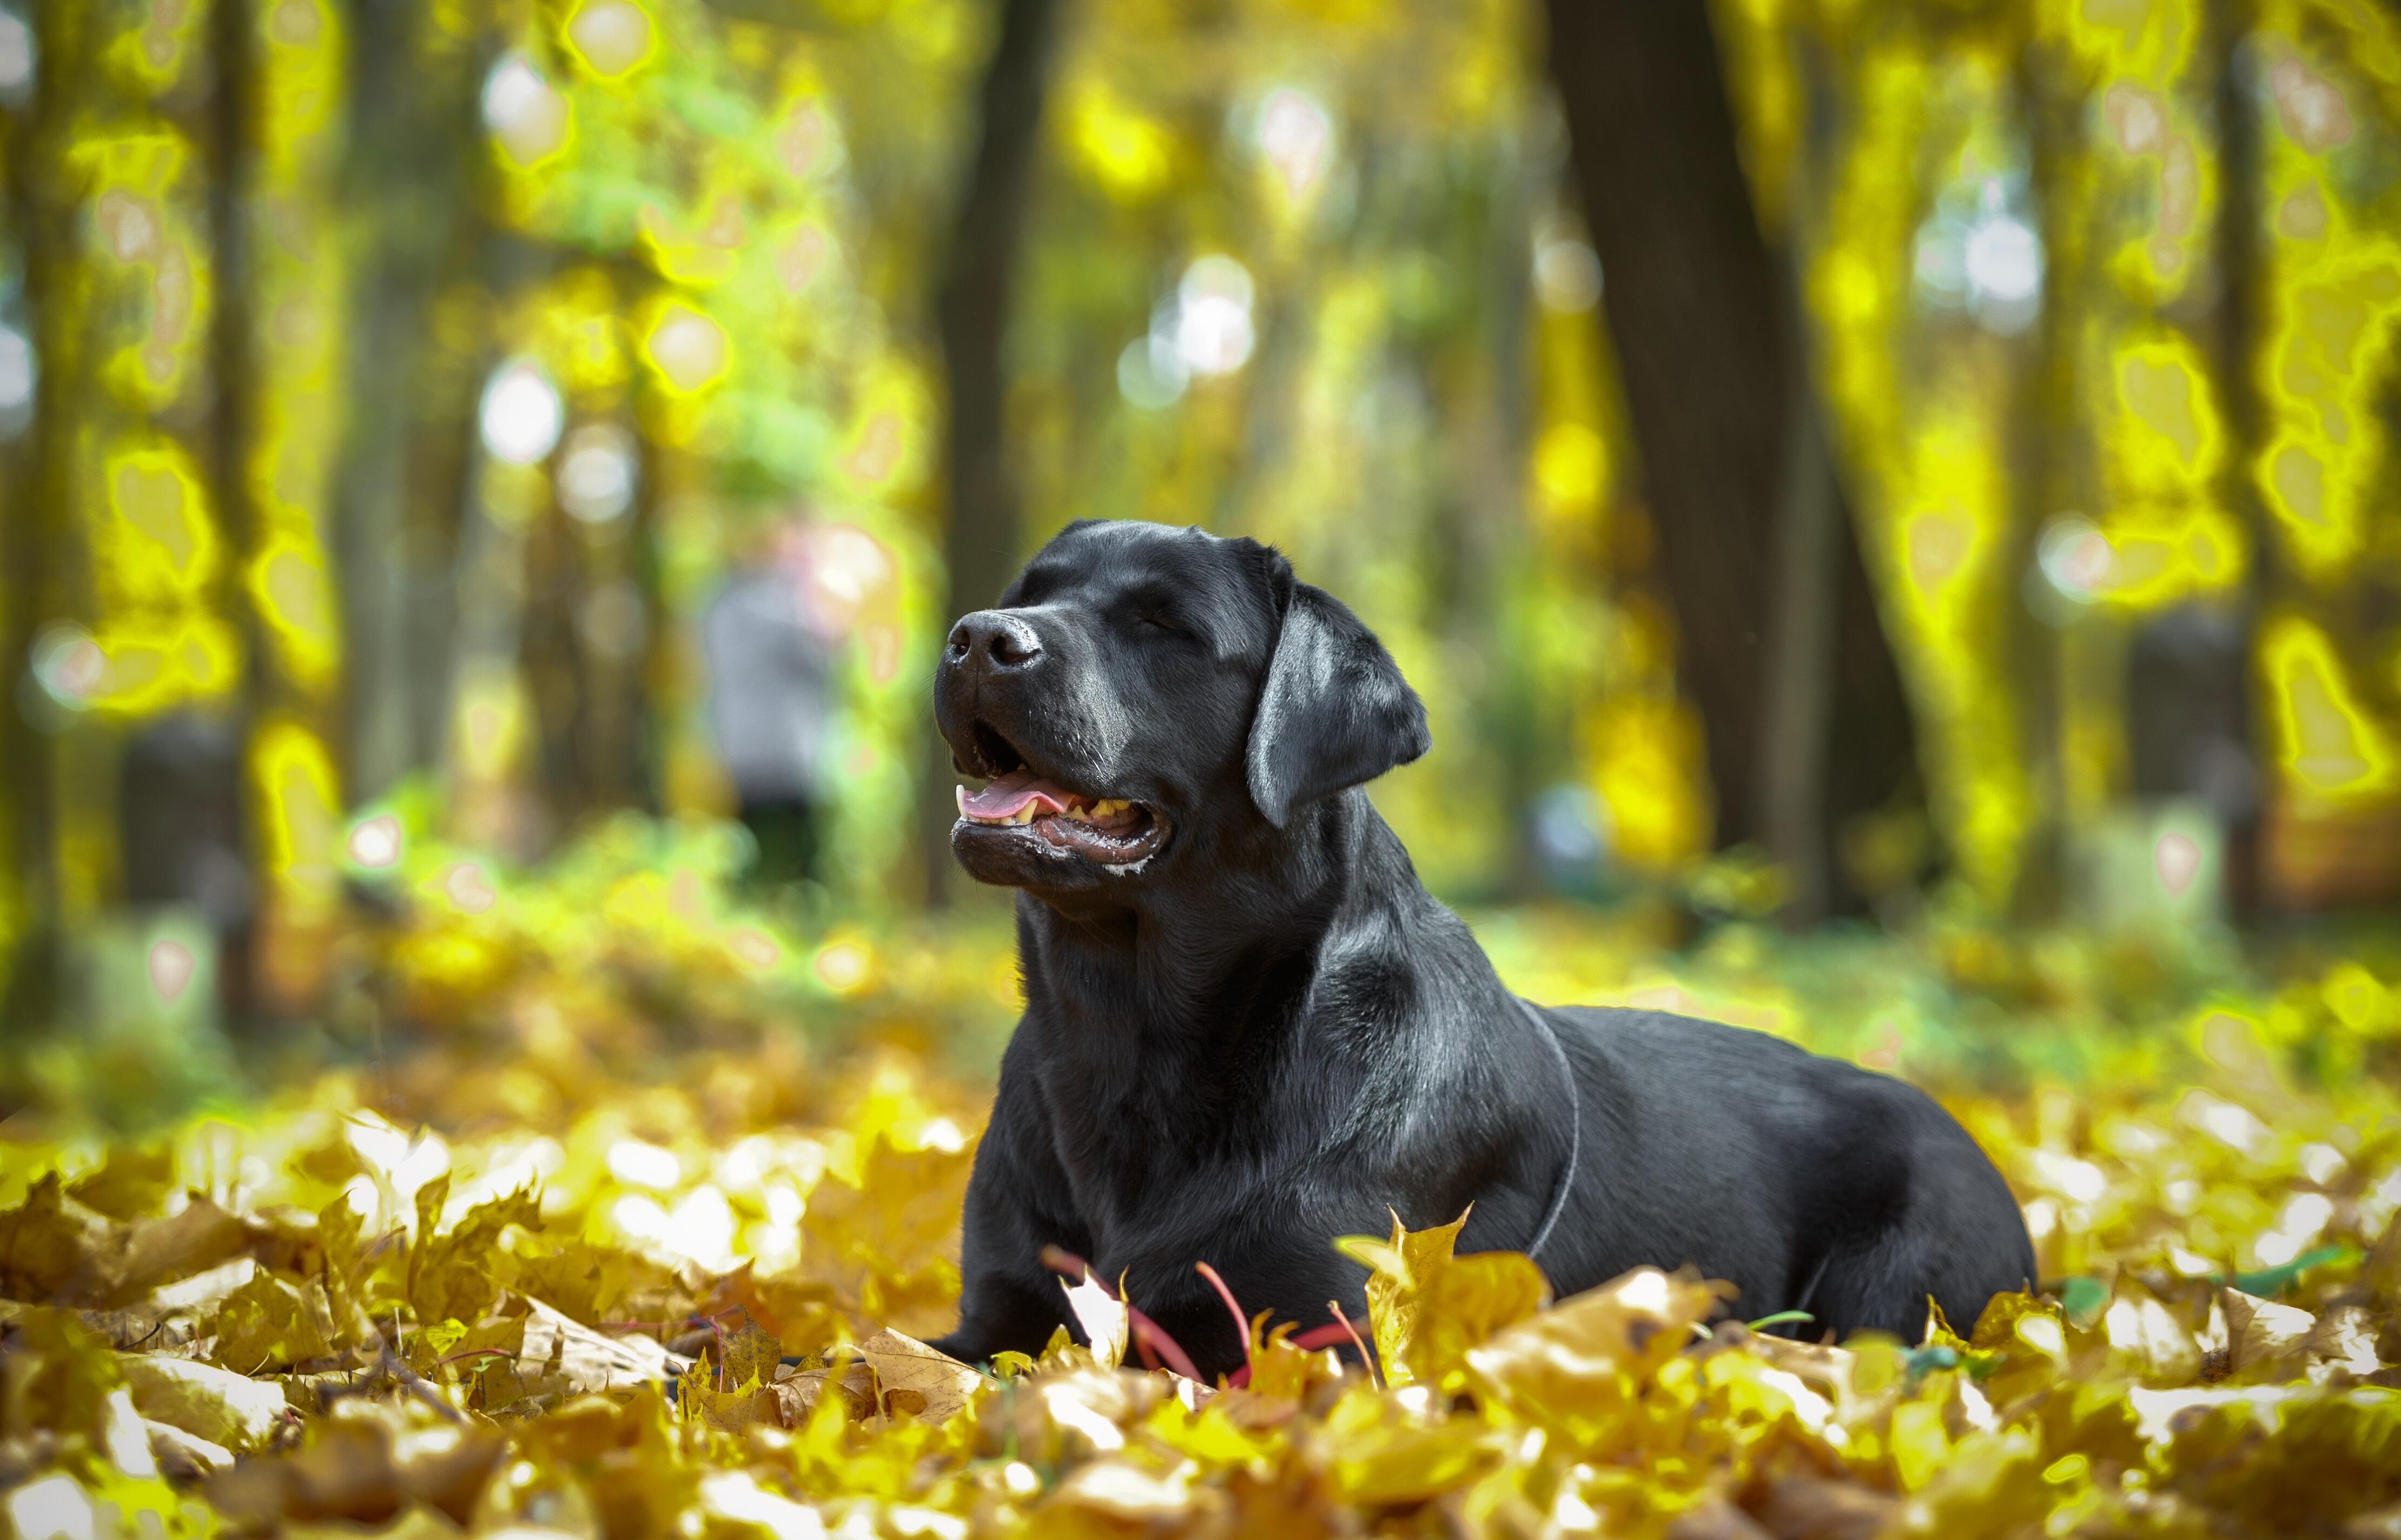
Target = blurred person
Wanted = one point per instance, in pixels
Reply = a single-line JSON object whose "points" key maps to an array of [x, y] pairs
{"points": [[769, 642]]}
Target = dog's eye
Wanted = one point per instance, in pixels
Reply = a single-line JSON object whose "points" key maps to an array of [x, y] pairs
{"points": [[1158, 624]]}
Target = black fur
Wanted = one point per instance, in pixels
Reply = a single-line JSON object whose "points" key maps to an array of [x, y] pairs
{"points": [[1271, 1035]]}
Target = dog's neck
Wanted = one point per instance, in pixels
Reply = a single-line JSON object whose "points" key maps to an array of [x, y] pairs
{"points": [[1231, 973], [1317, 990]]}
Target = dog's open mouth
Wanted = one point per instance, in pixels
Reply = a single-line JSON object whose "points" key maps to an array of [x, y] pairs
{"points": [[1119, 834]]}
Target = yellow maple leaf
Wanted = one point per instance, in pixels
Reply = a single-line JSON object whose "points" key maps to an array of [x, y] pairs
{"points": [[1429, 1306]]}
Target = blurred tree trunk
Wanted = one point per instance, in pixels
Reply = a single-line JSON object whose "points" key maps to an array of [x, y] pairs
{"points": [[35, 524], [2041, 428], [1796, 715], [2241, 805], [1495, 445], [196, 815], [412, 143], [1720, 415], [971, 314]]}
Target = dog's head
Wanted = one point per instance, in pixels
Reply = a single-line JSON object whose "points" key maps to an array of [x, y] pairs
{"points": [[1143, 693]]}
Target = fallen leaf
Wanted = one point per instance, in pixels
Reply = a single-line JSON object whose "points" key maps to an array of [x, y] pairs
{"points": [[159, 1251], [184, 1456], [208, 1402], [592, 1362], [133, 1181], [51, 1246], [914, 1378], [1104, 1317], [2260, 1331], [1428, 1306], [1577, 1367], [1807, 1507]]}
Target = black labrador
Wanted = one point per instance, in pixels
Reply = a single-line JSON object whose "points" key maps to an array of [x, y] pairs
{"points": [[1249, 1030]]}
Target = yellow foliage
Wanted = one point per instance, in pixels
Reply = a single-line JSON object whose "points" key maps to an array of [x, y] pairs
{"points": [[697, 1300], [2326, 743], [1647, 759], [1130, 155], [1430, 1307]]}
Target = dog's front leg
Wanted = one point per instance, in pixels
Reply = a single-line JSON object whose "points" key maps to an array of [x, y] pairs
{"points": [[1008, 1299]]}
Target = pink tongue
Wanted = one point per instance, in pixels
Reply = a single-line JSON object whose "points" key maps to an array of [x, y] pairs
{"points": [[1007, 794]]}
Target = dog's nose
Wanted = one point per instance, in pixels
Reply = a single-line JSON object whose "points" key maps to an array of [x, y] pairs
{"points": [[1000, 639]]}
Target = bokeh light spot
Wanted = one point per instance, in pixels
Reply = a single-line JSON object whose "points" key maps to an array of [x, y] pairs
{"points": [[69, 665], [2176, 858], [528, 117], [596, 475], [376, 843], [1296, 136], [171, 965], [521, 413], [688, 348], [1212, 324], [846, 965], [612, 38], [469, 887]]}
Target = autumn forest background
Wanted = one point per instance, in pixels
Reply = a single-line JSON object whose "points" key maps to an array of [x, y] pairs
{"points": [[1890, 504]]}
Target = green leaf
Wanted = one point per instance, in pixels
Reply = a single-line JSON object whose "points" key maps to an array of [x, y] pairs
{"points": [[1782, 1317], [2267, 1282], [2082, 1298]]}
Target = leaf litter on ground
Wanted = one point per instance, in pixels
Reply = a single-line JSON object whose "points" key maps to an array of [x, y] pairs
{"points": [[552, 1287]]}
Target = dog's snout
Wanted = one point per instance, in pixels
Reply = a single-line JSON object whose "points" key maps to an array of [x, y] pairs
{"points": [[997, 638]]}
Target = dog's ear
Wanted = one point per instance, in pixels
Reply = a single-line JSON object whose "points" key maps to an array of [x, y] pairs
{"points": [[1335, 711]]}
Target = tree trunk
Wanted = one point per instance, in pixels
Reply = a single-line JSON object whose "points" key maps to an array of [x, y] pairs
{"points": [[1761, 565], [971, 314], [1797, 713], [1690, 297], [35, 529], [2239, 804], [202, 815], [412, 142]]}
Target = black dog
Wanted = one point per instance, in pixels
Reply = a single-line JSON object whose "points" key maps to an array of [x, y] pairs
{"points": [[1249, 1028]]}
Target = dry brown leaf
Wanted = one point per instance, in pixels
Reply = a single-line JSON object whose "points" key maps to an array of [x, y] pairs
{"points": [[914, 1378], [797, 1392], [1715, 1520], [206, 1402], [271, 1324], [140, 1329], [52, 1249], [590, 1361], [2345, 1335], [202, 1289], [751, 1356], [184, 1456], [2260, 1331], [158, 1251], [1804, 1508]]}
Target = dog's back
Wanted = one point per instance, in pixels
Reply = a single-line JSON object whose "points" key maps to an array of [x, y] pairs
{"points": [[1810, 1184]]}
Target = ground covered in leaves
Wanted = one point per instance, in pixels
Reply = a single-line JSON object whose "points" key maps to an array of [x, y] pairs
{"points": [[588, 1244]]}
